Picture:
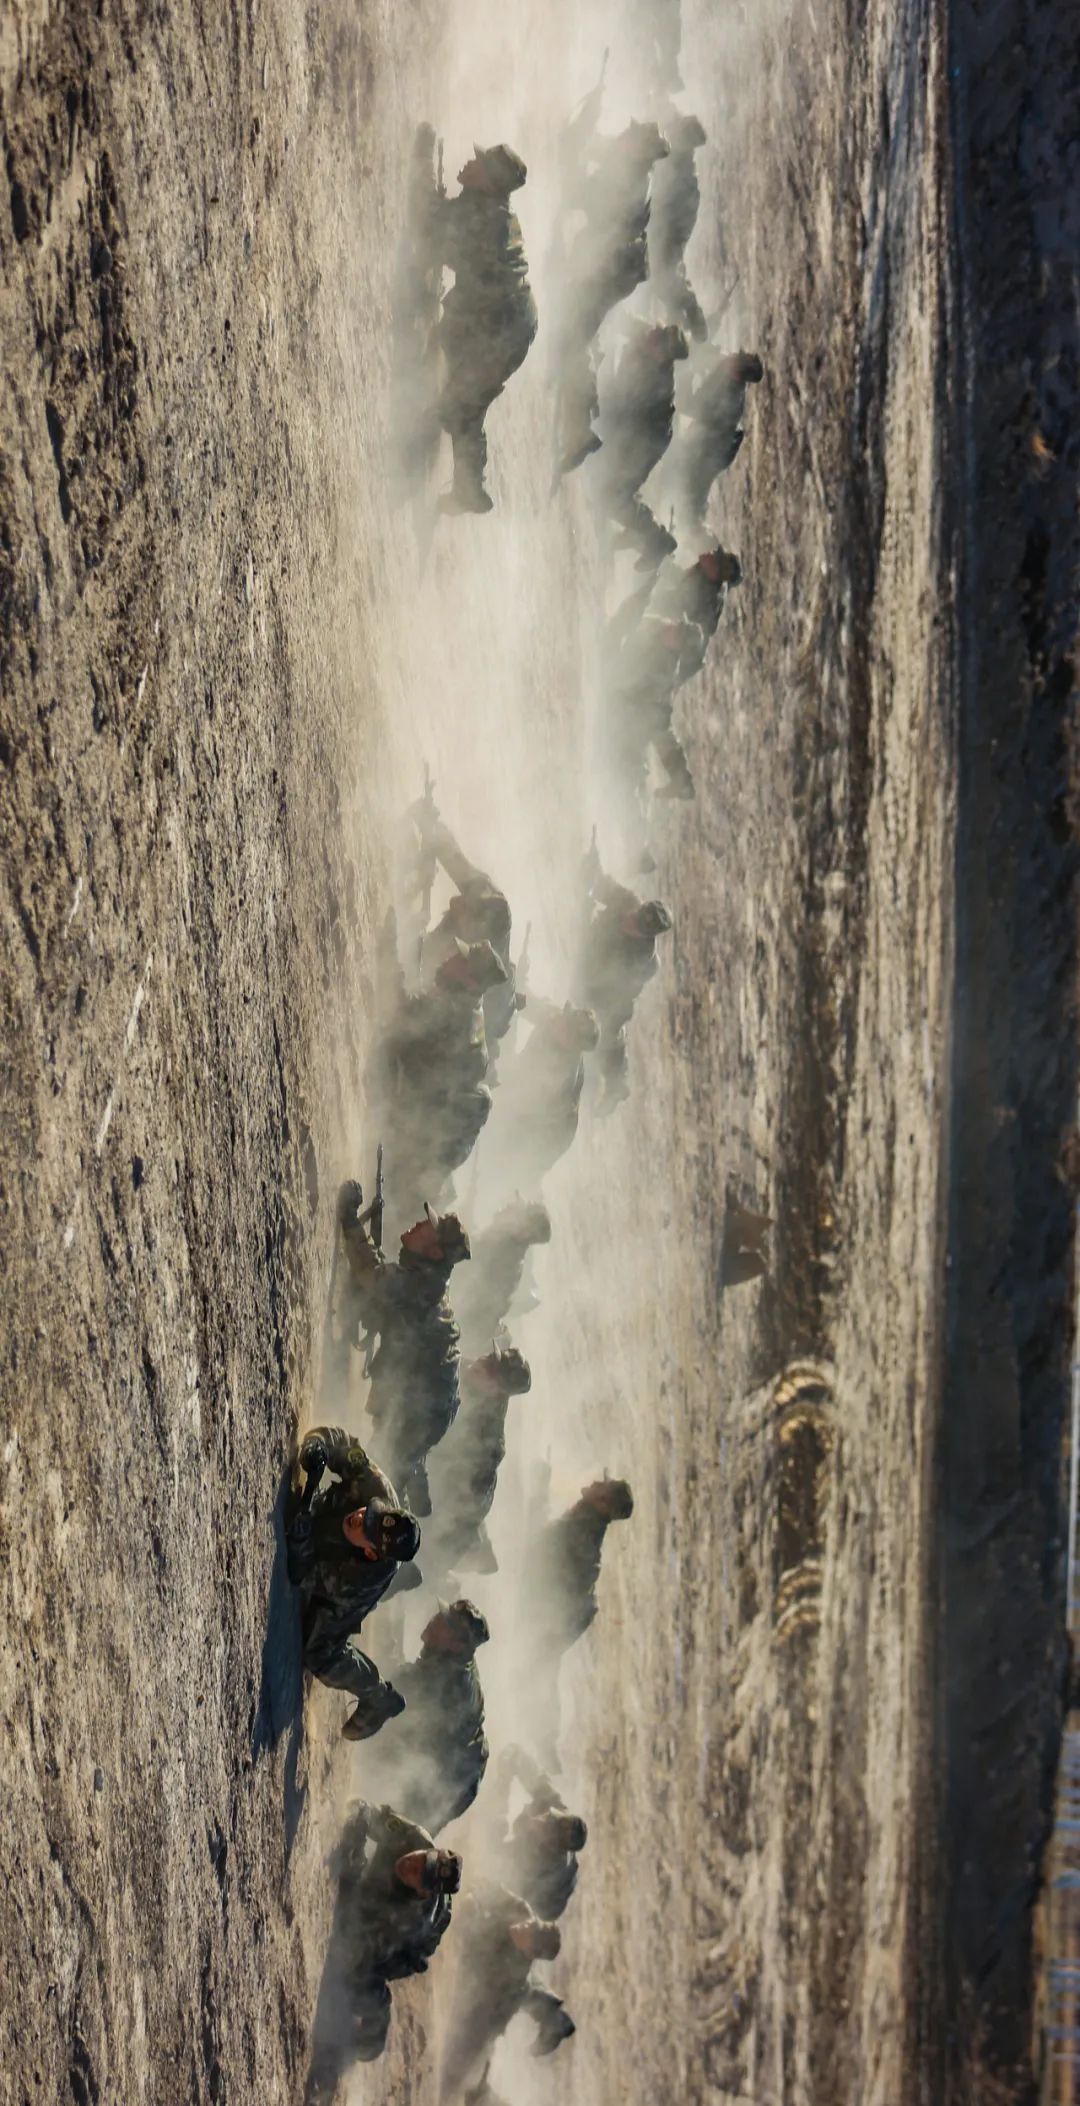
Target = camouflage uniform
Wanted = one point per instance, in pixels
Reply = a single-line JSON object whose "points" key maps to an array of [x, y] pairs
{"points": [[538, 1866], [338, 1584], [428, 1074], [494, 1983], [562, 1574], [434, 1757], [415, 1367], [637, 416], [488, 323], [712, 407], [608, 261], [676, 202], [499, 1257], [382, 1932], [540, 1093], [465, 1474], [645, 679], [479, 913], [616, 964]]}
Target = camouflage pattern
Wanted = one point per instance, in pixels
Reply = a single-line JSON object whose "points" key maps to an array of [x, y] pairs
{"points": [[434, 1757], [495, 1982], [488, 321], [337, 1583]]}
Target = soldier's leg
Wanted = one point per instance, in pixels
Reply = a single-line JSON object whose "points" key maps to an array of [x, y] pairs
{"points": [[332, 1654], [553, 2022], [371, 2007], [671, 753]]}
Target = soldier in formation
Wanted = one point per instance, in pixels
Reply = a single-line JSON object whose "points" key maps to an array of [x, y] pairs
{"points": [[541, 1089], [345, 1544], [393, 1906], [618, 959], [465, 1471], [500, 1254], [501, 1942], [415, 1367], [563, 1564], [434, 1757], [637, 416], [676, 202], [710, 433], [428, 1074]]}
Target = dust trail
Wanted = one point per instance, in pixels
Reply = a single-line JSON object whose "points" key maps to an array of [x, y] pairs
{"points": [[487, 660]]}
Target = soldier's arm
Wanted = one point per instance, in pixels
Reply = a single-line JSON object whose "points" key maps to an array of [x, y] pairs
{"points": [[611, 894], [392, 1831], [342, 1453]]}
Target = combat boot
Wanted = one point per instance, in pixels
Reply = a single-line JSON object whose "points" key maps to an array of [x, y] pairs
{"points": [[372, 1713]]}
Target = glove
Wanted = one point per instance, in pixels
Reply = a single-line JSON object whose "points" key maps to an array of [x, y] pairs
{"points": [[313, 1459]]}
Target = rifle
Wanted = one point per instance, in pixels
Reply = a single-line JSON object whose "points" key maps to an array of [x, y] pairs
{"points": [[376, 1214]]}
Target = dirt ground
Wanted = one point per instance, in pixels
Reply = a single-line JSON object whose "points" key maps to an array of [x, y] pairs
{"points": [[221, 666]]}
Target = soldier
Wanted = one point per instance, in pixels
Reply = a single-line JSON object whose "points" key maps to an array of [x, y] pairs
{"points": [[345, 1545], [478, 913], [676, 202], [466, 1469], [393, 1906], [540, 1092], [609, 259], [563, 1565], [618, 959], [436, 1755], [499, 1257], [540, 1853], [489, 315], [711, 434], [637, 416], [427, 1076], [696, 595], [501, 1940], [643, 682], [415, 1367]]}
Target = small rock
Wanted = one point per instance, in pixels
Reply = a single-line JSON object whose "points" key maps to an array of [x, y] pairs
{"points": [[99, 1780]]}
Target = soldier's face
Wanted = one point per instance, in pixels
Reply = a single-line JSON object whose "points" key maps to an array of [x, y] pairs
{"points": [[422, 1240], [355, 1532], [474, 175], [411, 1870]]}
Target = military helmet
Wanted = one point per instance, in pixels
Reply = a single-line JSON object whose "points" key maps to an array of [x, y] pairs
{"points": [[515, 1374], [645, 142], [506, 168], [483, 966], [749, 366], [618, 1498], [685, 131], [452, 1235], [395, 1533], [654, 918], [442, 1872], [469, 1621], [586, 1027]]}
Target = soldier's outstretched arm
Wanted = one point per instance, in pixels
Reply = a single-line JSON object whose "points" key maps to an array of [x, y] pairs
{"points": [[441, 843], [611, 894]]}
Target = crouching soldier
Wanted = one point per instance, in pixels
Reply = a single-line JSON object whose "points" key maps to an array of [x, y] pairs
{"points": [[489, 314], [415, 1367], [499, 1257], [345, 1544], [478, 913], [540, 1853], [393, 1907], [637, 416], [501, 1941], [562, 1568], [429, 1068], [435, 1756], [465, 1470], [540, 1093], [618, 959], [712, 406]]}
